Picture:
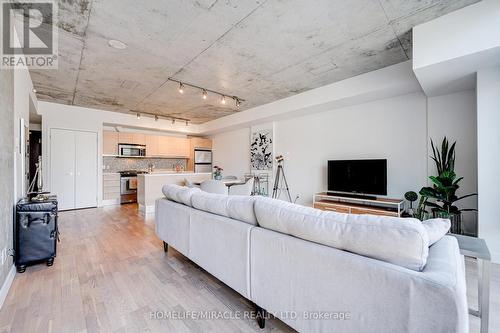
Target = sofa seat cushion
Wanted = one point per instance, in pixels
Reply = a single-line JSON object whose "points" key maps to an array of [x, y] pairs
{"points": [[180, 194], [237, 207], [436, 229], [400, 241]]}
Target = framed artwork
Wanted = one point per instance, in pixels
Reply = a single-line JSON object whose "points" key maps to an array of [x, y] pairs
{"points": [[262, 148]]}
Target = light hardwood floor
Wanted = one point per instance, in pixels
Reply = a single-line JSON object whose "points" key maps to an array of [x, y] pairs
{"points": [[111, 274]]}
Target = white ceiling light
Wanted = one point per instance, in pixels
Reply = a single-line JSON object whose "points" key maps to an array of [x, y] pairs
{"points": [[116, 44]]}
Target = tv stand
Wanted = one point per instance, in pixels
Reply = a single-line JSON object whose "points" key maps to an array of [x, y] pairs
{"points": [[358, 204]]}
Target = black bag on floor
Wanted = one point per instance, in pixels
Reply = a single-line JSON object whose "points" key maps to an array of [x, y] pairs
{"points": [[35, 232]]}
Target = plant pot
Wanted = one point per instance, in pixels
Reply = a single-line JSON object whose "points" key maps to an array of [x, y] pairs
{"points": [[455, 219]]}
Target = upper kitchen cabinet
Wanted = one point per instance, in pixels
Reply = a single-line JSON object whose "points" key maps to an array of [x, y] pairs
{"points": [[152, 145], [173, 147], [133, 138], [200, 143], [109, 143]]}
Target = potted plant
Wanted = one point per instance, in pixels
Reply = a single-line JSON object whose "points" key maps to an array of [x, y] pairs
{"points": [[218, 172], [441, 197]]}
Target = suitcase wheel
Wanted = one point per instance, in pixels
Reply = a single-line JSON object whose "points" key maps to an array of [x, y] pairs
{"points": [[50, 262], [21, 269]]}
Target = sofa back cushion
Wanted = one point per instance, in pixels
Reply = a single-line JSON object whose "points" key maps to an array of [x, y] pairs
{"points": [[436, 229], [237, 207], [180, 194], [400, 241]]}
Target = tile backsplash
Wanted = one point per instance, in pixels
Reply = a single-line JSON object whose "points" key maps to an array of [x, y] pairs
{"points": [[115, 164]]}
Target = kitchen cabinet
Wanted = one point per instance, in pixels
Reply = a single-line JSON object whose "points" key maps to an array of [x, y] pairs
{"points": [[133, 138], [110, 143], [111, 187], [173, 147], [200, 143], [156, 145], [152, 145], [73, 168]]}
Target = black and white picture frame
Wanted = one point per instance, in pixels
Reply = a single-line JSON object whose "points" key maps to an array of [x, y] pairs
{"points": [[261, 148]]}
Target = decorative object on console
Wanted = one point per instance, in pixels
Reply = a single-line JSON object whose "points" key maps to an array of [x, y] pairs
{"points": [[261, 148], [218, 172], [411, 197], [444, 188]]}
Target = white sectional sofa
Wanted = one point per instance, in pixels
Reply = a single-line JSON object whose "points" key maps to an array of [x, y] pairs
{"points": [[322, 271]]}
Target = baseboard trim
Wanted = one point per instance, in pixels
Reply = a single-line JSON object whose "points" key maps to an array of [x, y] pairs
{"points": [[6, 285], [146, 209]]}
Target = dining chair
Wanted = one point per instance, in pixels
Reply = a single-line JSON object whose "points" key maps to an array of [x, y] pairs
{"points": [[245, 189], [214, 186]]}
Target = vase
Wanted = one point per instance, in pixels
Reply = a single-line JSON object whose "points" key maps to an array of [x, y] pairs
{"points": [[218, 177], [455, 219]]}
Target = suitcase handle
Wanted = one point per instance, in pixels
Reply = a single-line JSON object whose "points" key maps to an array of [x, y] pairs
{"points": [[28, 220]]}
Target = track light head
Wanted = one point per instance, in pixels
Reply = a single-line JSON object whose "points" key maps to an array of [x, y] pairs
{"points": [[156, 118], [204, 94], [138, 116], [173, 121], [223, 99], [181, 88], [237, 102], [187, 122]]}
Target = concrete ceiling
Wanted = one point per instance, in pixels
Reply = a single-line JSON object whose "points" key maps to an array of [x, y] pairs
{"points": [[261, 50]]}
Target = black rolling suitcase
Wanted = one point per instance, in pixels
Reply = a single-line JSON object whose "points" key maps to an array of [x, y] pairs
{"points": [[36, 232]]}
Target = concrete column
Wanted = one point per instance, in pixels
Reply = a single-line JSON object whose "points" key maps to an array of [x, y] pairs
{"points": [[488, 153]]}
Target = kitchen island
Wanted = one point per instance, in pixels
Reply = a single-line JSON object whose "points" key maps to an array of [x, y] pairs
{"points": [[149, 186]]}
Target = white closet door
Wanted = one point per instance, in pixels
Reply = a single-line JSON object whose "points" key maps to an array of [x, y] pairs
{"points": [[62, 167], [86, 169]]}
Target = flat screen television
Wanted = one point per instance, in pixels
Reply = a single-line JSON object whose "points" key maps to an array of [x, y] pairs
{"points": [[358, 176]]}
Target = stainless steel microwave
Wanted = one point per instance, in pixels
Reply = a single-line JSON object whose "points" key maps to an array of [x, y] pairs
{"points": [[131, 150]]}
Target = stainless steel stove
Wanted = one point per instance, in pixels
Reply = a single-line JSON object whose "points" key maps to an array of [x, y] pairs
{"points": [[128, 185]]}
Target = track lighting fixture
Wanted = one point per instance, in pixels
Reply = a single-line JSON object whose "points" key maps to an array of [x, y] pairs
{"points": [[205, 91], [157, 117], [187, 122]]}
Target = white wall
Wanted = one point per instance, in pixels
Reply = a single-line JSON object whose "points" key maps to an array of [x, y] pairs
{"points": [[454, 116], [395, 128], [231, 151], [488, 151], [448, 51]]}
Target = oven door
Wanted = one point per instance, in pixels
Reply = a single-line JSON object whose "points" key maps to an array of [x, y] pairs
{"points": [[128, 185]]}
